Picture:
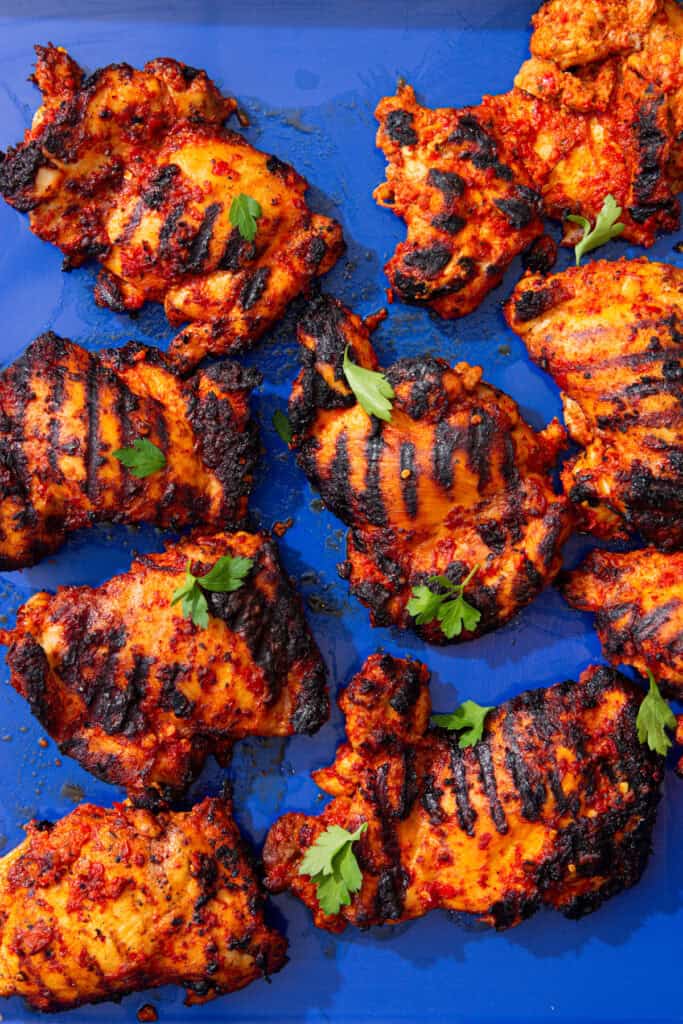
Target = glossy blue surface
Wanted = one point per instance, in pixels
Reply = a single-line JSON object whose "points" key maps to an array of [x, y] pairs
{"points": [[310, 79]]}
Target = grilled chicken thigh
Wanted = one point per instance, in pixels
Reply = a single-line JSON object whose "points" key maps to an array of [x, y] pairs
{"points": [[109, 901], [468, 214], [64, 411], [135, 169], [457, 479], [555, 805], [139, 695], [611, 336], [596, 110], [637, 599]]}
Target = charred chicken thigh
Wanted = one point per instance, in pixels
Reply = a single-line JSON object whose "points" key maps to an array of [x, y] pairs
{"points": [[136, 170], [139, 694], [554, 806], [637, 600], [64, 411], [597, 110], [611, 335], [456, 479], [110, 901]]}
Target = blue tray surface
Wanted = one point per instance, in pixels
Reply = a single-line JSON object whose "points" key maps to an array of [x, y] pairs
{"points": [[310, 78]]}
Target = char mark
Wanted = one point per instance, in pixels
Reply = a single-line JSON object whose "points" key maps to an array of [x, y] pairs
{"points": [[254, 287], [398, 124], [488, 780], [155, 196], [201, 243], [409, 478]]}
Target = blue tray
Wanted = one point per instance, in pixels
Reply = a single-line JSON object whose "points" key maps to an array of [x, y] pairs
{"points": [[310, 79]]}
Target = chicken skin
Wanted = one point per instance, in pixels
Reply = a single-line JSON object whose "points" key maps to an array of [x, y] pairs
{"points": [[468, 214], [596, 110], [140, 695], [135, 169], [64, 411], [554, 806], [637, 600], [456, 480], [108, 901], [610, 334]]}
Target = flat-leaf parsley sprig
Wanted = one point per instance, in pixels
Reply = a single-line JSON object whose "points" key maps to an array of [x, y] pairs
{"points": [[468, 720], [371, 388], [332, 866], [447, 605], [244, 212], [654, 718], [607, 227], [226, 576], [142, 459]]}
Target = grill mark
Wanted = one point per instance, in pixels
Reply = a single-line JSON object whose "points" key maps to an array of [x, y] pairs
{"points": [[479, 446], [253, 287], [125, 403], [56, 402], [168, 229], [531, 790], [156, 194], [646, 626], [201, 244], [409, 482], [488, 781], [392, 882], [92, 450], [373, 503], [340, 482], [13, 456], [467, 816], [447, 440]]}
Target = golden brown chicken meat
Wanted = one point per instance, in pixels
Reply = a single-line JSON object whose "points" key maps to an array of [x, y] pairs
{"points": [[64, 411], [554, 806], [468, 214], [135, 169], [112, 900], [139, 694], [637, 600], [596, 110], [456, 480], [611, 335], [576, 32]]}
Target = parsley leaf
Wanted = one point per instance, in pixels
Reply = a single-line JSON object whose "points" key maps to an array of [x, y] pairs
{"points": [[468, 719], [332, 866], [283, 426], [143, 459], [372, 389], [226, 576], [604, 231], [244, 212], [450, 607], [654, 718]]}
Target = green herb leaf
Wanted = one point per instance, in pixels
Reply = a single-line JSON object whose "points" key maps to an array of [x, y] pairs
{"points": [[244, 212], [282, 425], [606, 228], [331, 864], [143, 459], [468, 719], [226, 576], [372, 389], [654, 718], [332, 893], [449, 606]]}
